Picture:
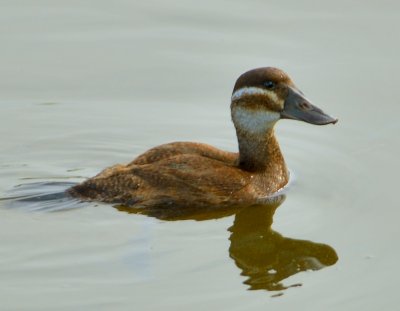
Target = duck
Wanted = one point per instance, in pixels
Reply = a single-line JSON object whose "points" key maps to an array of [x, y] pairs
{"points": [[197, 175]]}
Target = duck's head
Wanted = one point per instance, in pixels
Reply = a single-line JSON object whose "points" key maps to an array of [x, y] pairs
{"points": [[263, 96]]}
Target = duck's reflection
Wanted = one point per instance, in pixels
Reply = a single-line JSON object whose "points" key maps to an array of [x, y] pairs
{"points": [[265, 257]]}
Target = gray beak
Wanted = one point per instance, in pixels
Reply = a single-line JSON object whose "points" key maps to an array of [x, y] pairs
{"points": [[297, 107]]}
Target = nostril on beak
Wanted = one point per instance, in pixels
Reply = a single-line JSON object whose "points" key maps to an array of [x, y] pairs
{"points": [[305, 106]]}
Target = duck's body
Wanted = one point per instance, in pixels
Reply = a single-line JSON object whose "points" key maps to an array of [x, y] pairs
{"points": [[181, 173], [197, 175]]}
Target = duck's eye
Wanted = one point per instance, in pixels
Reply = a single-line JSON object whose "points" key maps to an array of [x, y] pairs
{"points": [[269, 84]]}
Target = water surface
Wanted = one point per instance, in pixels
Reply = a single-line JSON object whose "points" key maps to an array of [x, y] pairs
{"points": [[85, 85]]}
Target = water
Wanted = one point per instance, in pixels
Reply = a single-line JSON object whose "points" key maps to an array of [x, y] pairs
{"points": [[85, 85]]}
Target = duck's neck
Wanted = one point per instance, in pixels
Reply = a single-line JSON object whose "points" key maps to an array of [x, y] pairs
{"points": [[260, 153]]}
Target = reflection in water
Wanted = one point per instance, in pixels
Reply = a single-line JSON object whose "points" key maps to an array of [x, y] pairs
{"points": [[264, 255], [182, 212]]}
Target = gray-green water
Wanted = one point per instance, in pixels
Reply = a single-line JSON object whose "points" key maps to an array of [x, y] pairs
{"points": [[86, 84]]}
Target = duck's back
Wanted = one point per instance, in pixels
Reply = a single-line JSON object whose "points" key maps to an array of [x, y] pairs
{"points": [[170, 150], [171, 174]]}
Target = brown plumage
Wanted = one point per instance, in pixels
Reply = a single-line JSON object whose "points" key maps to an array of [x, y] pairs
{"points": [[183, 174]]}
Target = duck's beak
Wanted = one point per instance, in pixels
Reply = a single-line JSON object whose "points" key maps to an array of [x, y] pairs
{"points": [[297, 107]]}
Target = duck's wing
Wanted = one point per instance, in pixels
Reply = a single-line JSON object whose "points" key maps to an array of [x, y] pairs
{"points": [[174, 149], [193, 173], [182, 179]]}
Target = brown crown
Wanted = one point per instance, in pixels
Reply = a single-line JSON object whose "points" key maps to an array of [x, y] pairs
{"points": [[258, 76]]}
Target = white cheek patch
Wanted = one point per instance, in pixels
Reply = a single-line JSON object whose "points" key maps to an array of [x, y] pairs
{"points": [[249, 91], [254, 121]]}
